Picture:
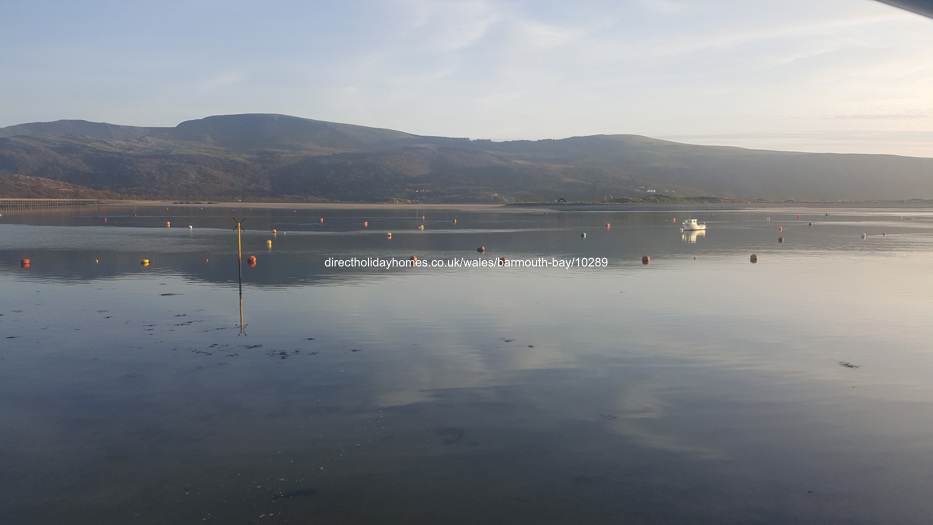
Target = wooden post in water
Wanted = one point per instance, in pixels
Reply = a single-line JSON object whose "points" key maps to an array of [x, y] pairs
{"points": [[239, 267]]}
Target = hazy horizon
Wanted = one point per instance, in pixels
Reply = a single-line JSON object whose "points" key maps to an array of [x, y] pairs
{"points": [[838, 76]]}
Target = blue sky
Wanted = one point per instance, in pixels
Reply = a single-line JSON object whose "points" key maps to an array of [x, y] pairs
{"points": [[832, 75]]}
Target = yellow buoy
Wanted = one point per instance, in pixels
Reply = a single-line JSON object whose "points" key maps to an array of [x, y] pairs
{"points": [[274, 231], [421, 227], [96, 261], [144, 262], [269, 243]]}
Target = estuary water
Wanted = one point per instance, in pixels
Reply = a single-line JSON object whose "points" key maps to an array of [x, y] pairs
{"points": [[574, 384]]}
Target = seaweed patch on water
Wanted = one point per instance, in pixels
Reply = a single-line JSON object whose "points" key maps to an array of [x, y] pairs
{"points": [[847, 364]]}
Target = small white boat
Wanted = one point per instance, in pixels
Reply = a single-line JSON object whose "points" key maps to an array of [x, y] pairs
{"points": [[691, 225]]}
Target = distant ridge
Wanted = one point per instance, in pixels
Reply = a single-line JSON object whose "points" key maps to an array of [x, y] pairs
{"points": [[283, 157]]}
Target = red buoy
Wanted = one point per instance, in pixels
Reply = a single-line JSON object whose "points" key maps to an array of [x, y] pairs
{"points": [[645, 259], [251, 261], [366, 224], [608, 225], [322, 220], [24, 263]]}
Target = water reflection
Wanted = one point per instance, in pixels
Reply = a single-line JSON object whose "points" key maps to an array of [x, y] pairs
{"points": [[602, 395], [692, 236]]}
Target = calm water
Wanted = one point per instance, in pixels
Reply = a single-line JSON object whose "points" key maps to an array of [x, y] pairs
{"points": [[700, 388]]}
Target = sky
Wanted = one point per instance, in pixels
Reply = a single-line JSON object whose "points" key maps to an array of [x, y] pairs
{"points": [[846, 76]]}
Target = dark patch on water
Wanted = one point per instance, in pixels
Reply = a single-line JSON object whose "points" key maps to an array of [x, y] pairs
{"points": [[298, 493], [451, 435], [847, 364]]}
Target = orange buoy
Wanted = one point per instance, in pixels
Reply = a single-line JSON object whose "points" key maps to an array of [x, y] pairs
{"points": [[422, 217], [168, 224], [366, 224], [780, 228], [322, 220], [481, 249], [389, 235], [608, 225], [502, 261], [455, 221], [414, 259], [674, 219], [645, 259], [251, 261], [24, 263]]}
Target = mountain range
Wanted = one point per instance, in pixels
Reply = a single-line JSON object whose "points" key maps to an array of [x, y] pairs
{"points": [[279, 157]]}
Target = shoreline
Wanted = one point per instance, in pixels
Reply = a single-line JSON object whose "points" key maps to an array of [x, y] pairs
{"points": [[498, 207]]}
